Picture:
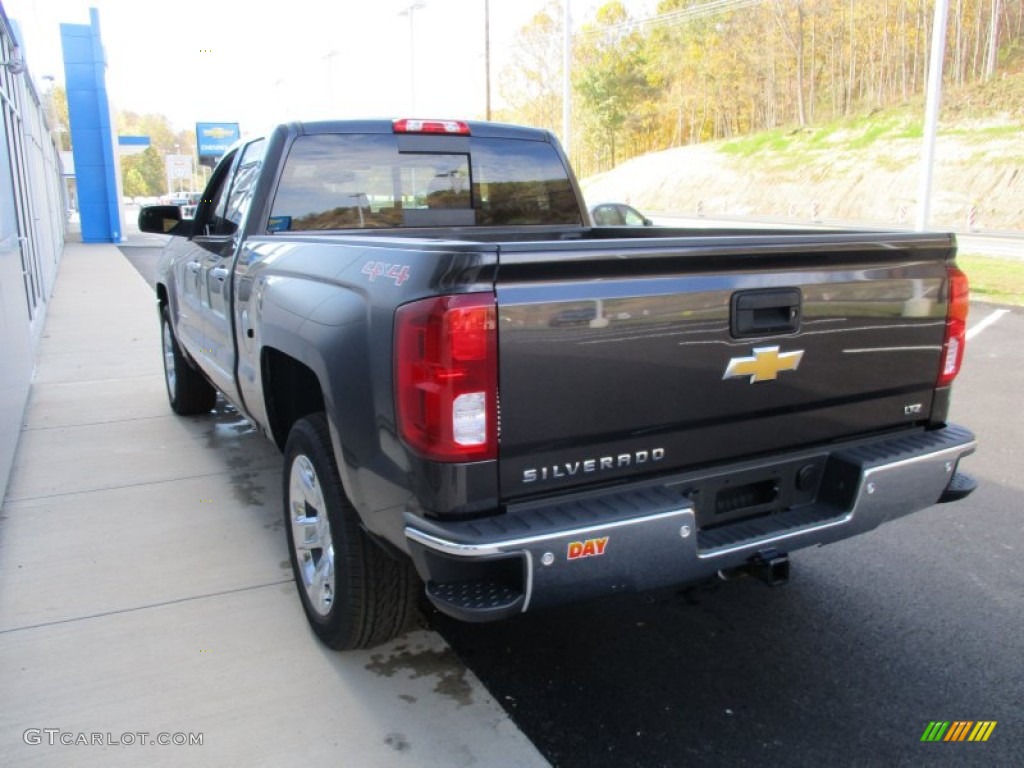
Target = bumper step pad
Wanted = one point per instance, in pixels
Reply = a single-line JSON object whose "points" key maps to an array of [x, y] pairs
{"points": [[483, 599]]}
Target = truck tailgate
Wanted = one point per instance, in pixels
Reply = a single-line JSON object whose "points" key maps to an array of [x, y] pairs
{"points": [[653, 355]]}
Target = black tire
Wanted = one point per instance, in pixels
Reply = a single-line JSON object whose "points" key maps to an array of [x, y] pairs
{"points": [[355, 595], [187, 390]]}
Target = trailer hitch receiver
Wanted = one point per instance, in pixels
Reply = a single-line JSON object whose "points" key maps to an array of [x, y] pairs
{"points": [[769, 566]]}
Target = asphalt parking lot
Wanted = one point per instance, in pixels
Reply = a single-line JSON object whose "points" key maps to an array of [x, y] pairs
{"points": [[871, 640]]}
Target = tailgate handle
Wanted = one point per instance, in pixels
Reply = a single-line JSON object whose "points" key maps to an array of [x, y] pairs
{"points": [[764, 313]]}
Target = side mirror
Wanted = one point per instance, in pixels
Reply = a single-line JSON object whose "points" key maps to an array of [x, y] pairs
{"points": [[164, 220]]}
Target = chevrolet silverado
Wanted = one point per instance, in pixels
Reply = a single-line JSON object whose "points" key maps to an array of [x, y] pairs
{"points": [[480, 395]]}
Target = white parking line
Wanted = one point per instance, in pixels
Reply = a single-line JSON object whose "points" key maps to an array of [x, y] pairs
{"points": [[978, 328]]}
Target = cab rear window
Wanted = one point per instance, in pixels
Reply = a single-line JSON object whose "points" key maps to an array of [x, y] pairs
{"points": [[364, 181]]}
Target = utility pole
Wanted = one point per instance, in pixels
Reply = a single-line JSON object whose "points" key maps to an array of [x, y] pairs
{"points": [[931, 116], [566, 77]]}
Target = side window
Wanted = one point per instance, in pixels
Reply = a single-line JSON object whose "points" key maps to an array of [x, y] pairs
{"points": [[345, 181], [212, 206], [216, 225], [230, 191], [243, 185], [606, 216], [633, 218]]}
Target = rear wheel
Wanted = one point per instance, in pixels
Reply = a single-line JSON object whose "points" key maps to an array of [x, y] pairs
{"points": [[354, 594], [187, 390]]}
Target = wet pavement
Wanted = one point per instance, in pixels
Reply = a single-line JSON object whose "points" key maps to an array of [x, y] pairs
{"points": [[145, 589]]}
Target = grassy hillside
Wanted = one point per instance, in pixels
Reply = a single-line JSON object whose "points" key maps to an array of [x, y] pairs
{"points": [[862, 169], [1000, 281]]}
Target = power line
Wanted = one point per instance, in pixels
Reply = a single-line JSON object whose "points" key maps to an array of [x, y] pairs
{"points": [[664, 20], [677, 17]]}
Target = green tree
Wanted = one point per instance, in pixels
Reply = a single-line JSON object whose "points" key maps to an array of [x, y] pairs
{"points": [[147, 173], [164, 140], [134, 183], [55, 104]]}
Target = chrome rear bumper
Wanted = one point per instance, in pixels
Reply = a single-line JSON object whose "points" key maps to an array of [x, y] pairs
{"points": [[656, 534]]}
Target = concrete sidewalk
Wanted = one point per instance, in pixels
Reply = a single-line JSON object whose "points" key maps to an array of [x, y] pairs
{"points": [[145, 584]]}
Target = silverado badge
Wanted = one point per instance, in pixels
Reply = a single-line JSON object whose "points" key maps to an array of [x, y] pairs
{"points": [[764, 365]]}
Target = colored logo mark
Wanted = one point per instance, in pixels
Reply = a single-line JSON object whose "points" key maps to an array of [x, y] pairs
{"points": [[217, 132], [958, 730], [764, 365]]}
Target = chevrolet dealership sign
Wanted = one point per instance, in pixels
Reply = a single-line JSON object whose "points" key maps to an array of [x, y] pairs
{"points": [[213, 140]]}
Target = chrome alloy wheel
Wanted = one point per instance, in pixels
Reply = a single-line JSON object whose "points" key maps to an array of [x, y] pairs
{"points": [[311, 535], [169, 373]]}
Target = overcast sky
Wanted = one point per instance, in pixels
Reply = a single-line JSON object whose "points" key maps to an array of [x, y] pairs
{"points": [[232, 61]]}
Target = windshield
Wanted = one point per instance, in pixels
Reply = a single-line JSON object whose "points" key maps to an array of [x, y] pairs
{"points": [[354, 181]]}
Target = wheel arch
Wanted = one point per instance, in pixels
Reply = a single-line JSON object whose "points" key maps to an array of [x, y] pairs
{"points": [[291, 390]]}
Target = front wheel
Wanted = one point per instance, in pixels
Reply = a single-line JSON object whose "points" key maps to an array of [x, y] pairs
{"points": [[354, 594], [188, 391]]}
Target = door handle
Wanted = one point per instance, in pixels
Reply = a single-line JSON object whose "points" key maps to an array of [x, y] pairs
{"points": [[193, 267], [220, 273], [774, 311]]}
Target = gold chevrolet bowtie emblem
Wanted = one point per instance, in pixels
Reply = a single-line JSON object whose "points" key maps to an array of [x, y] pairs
{"points": [[765, 365], [217, 132]]}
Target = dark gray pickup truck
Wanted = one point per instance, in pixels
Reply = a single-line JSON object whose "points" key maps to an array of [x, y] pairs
{"points": [[480, 394]]}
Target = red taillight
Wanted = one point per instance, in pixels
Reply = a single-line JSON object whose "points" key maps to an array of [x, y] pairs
{"points": [[456, 127], [956, 327], [446, 377]]}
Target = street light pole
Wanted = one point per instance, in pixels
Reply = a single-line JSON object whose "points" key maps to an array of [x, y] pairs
{"points": [[177, 154], [487, 53], [408, 11], [329, 58], [51, 112]]}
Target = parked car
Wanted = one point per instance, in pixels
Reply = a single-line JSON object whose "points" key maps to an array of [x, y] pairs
{"points": [[618, 215], [187, 201], [573, 317]]}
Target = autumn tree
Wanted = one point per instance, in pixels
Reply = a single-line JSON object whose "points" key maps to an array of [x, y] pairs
{"points": [[531, 85], [147, 170], [699, 70], [612, 80]]}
